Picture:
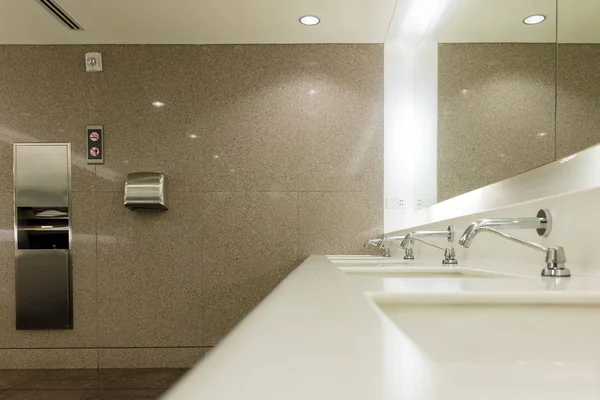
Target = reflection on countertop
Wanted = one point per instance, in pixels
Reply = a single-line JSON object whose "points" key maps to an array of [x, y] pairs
{"points": [[320, 336]]}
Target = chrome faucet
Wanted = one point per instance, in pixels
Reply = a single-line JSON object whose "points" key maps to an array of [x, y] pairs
{"points": [[555, 256], [380, 242], [409, 240]]}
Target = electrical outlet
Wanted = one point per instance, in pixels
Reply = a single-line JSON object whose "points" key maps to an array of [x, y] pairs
{"points": [[394, 202], [424, 202]]}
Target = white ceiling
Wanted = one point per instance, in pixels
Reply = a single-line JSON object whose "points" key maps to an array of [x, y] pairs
{"points": [[487, 21], [197, 21]]}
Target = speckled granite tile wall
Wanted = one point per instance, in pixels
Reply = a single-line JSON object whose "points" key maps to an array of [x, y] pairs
{"points": [[496, 113], [578, 98], [272, 153]]}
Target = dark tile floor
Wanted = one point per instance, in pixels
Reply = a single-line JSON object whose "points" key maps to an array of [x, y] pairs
{"points": [[87, 384]]}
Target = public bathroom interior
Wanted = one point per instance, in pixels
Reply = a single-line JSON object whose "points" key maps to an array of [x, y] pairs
{"points": [[299, 199]]}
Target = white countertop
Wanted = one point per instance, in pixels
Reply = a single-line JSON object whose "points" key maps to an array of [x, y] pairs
{"points": [[318, 336]]}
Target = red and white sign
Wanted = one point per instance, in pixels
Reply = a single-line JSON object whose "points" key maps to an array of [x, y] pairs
{"points": [[94, 151], [94, 136]]}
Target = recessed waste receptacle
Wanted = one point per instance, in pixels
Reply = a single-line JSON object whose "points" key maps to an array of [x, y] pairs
{"points": [[43, 270]]}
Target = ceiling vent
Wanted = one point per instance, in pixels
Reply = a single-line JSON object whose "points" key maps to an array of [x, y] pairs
{"points": [[61, 14]]}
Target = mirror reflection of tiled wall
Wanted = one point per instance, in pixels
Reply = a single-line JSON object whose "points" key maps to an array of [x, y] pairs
{"points": [[497, 112], [514, 96], [496, 107]]}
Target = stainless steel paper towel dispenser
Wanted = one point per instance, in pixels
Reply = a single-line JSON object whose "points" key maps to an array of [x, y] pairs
{"points": [[43, 271], [146, 190]]}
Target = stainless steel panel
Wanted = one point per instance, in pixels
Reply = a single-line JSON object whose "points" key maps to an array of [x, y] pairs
{"points": [[42, 175], [146, 190], [43, 289]]}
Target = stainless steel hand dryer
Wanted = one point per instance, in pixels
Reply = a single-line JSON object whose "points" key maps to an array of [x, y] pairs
{"points": [[146, 190]]}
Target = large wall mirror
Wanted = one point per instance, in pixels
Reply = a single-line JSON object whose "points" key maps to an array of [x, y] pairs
{"points": [[511, 94]]}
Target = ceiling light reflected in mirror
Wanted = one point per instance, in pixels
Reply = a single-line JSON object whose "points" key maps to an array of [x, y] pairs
{"points": [[534, 19], [309, 20]]}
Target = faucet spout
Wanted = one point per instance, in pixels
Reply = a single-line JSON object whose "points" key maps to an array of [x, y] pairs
{"points": [[542, 223], [379, 243], [448, 233], [555, 256]]}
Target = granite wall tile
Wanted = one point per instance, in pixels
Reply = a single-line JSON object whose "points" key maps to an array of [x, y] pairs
{"points": [[48, 358], [578, 95], [249, 246], [150, 273], [139, 378], [74, 379], [50, 104], [250, 104], [7, 265], [337, 223], [341, 118], [141, 136], [173, 357], [495, 112]]}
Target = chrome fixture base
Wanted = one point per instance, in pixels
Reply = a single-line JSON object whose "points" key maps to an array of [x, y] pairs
{"points": [[556, 272], [409, 241], [386, 252], [449, 262]]}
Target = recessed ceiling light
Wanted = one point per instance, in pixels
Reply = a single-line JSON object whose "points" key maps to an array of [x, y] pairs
{"points": [[158, 103], [192, 136], [534, 19], [542, 134], [309, 20]]}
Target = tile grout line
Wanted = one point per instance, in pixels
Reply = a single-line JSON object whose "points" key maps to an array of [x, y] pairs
{"points": [[297, 258], [203, 269], [97, 272]]}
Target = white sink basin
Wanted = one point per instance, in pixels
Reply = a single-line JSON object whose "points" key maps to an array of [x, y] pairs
{"points": [[418, 272], [363, 259], [512, 329]]}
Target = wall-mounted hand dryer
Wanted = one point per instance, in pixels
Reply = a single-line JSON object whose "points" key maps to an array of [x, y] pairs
{"points": [[146, 191]]}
